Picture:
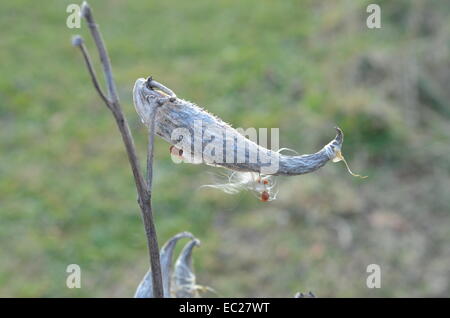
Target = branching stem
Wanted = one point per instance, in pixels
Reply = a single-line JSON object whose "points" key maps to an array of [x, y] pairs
{"points": [[144, 189]]}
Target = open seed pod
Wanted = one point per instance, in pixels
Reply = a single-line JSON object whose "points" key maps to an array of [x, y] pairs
{"points": [[145, 288]]}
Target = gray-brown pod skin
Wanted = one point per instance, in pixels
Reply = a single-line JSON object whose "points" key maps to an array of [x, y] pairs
{"points": [[205, 138], [181, 282]]}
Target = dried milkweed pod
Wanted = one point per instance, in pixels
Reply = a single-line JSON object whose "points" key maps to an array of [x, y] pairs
{"points": [[145, 288], [183, 279], [180, 115], [177, 114], [301, 295]]}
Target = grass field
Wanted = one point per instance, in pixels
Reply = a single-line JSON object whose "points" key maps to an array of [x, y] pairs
{"points": [[67, 193]]}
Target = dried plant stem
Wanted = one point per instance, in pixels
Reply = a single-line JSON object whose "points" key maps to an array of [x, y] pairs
{"points": [[112, 102]]}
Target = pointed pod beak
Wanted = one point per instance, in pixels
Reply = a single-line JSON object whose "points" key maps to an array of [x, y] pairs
{"points": [[183, 281], [339, 136]]}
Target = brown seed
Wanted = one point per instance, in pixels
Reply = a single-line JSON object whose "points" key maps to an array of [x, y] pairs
{"points": [[265, 196]]}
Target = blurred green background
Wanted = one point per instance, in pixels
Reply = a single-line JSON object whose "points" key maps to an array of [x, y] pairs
{"points": [[66, 189]]}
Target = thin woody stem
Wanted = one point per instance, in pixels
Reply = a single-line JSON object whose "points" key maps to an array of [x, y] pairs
{"points": [[144, 190], [86, 12], [78, 41]]}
